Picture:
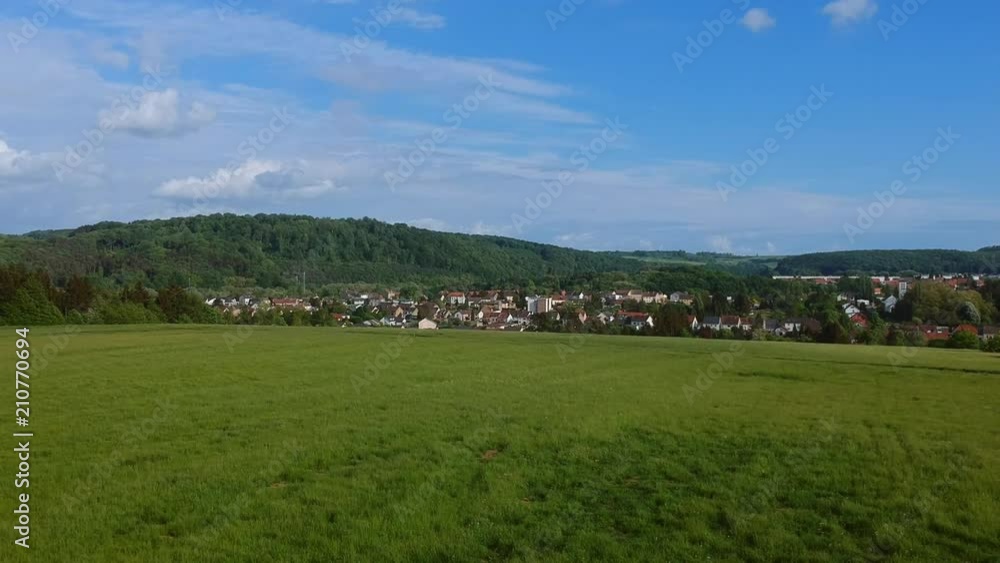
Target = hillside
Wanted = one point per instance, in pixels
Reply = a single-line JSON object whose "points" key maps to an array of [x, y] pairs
{"points": [[984, 261], [274, 250], [732, 263]]}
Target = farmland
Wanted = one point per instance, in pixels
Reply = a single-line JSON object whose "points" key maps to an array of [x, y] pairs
{"points": [[171, 443]]}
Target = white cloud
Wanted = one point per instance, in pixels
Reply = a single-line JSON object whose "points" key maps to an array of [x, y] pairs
{"points": [[169, 33], [419, 20], [845, 12], [253, 178], [18, 167], [159, 114], [757, 20]]}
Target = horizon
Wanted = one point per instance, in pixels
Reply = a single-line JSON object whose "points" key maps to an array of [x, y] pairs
{"points": [[540, 124], [974, 248]]}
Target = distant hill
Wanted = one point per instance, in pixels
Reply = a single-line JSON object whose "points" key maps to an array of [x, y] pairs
{"points": [[273, 250], [216, 251], [986, 260], [742, 265]]}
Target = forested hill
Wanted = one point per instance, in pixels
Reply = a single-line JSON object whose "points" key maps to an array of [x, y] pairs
{"points": [[984, 261], [273, 250]]}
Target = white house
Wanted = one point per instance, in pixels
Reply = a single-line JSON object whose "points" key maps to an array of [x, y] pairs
{"points": [[427, 324], [890, 303]]}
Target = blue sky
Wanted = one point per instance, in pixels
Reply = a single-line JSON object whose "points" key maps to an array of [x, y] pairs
{"points": [[598, 124]]}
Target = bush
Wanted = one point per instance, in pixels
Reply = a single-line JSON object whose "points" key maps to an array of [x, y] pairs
{"points": [[75, 317], [118, 313], [964, 340]]}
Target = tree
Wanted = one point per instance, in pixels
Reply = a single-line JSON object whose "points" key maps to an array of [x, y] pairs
{"points": [[968, 312], [78, 295], [671, 320], [30, 306]]}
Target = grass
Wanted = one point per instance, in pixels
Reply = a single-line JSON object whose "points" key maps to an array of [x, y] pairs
{"points": [[204, 444]]}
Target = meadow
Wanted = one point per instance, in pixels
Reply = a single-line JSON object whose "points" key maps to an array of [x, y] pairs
{"points": [[210, 444]]}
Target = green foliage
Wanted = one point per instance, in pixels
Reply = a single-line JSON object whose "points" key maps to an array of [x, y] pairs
{"points": [[940, 304], [968, 312], [892, 262], [273, 251], [965, 340], [30, 307], [116, 313]]}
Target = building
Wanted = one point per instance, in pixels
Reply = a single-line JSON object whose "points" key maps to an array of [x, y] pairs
{"points": [[681, 297], [538, 305], [635, 320], [427, 324]]}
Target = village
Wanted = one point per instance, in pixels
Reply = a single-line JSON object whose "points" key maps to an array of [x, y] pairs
{"points": [[621, 311]]}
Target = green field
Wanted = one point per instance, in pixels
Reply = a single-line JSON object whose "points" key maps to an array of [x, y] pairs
{"points": [[205, 444]]}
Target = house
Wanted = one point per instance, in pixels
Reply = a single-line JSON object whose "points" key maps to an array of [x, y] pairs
{"points": [[693, 323], [859, 320], [890, 303], [966, 328], [988, 333], [655, 297], [850, 309], [733, 322], [934, 332], [519, 317], [456, 298], [774, 327], [714, 323], [287, 303], [801, 324], [427, 324], [635, 321], [681, 297]]}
